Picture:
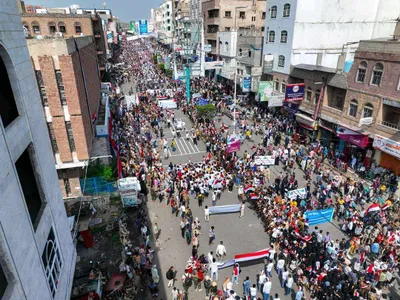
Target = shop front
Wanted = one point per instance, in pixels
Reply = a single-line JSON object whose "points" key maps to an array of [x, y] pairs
{"points": [[354, 144], [307, 126], [390, 153]]}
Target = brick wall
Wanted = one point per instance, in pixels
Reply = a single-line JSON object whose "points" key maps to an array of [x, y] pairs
{"points": [[49, 79], [60, 132], [73, 175], [68, 20]]}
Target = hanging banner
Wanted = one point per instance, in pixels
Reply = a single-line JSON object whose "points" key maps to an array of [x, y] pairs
{"points": [[302, 193], [268, 160], [246, 84], [291, 107], [265, 89], [223, 209], [294, 92], [210, 65], [387, 145], [132, 26], [143, 27], [233, 144], [316, 217], [276, 101], [353, 137]]}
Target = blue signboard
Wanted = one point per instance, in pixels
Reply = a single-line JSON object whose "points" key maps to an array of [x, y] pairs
{"points": [[294, 92], [316, 217], [143, 27], [291, 107], [246, 84]]}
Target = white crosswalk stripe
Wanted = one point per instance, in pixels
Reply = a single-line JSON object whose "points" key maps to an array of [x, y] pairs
{"points": [[183, 146]]}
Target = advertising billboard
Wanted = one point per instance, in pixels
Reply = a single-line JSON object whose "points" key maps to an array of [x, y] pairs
{"points": [[265, 89], [387, 145], [209, 65], [132, 25], [291, 107], [143, 27], [246, 84], [294, 92]]}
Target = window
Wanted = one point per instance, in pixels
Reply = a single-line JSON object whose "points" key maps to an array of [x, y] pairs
{"points": [[242, 14], [70, 135], [227, 29], [263, 15], [281, 61], [52, 27], [337, 100], [226, 46], [3, 283], [78, 28], [316, 96], [283, 87], [308, 94], [8, 106], [61, 89], [52, 262], [249, 53], [240, 52], [284, 36], [353, 108], [271, 37], [167, 6], [253, 19], [276, 85], [169, 28], [274, 11], [362, 69], [61, 27], [262, 29], [26, 27], [377, 74], [228, 14], [36, 27], [286, 10], [368, 110], [29, 186], [52, 135]]}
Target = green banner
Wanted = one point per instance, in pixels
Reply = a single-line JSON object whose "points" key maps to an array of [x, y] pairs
{"points": [[132, 25], [265, 89]]}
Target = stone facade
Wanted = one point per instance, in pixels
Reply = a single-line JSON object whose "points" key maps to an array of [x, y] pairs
{"points": [[23, 238]]}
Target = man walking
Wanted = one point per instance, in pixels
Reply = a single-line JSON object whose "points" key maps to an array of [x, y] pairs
{"points": [[211, 236], [214, 269], [171, 274], [187, 281], [182, 225], [235, 274], [267, 289], [246, 287], [221, 251], [206, 214], [288, 286]]}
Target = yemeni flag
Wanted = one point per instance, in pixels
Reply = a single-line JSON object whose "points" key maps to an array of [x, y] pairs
{"points": [[249, 188], [385, 206], [251, 256], [373, 208], [362, 257], [224, 127], [253, 196], [253, 147]]}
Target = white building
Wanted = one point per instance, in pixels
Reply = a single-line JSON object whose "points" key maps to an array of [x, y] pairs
{"points": [[227, 50], [38, 256], [322, 32], [167, 27]]}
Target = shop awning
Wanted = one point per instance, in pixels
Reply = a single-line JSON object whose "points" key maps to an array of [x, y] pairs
{"points": [[353, 137], [306, 122]]}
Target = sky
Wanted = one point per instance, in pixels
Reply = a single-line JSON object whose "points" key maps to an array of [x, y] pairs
{"points": [[126, 10]]}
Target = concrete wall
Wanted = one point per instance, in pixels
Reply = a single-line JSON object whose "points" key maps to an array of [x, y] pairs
{"points": [[318, 37], [22, 244]]}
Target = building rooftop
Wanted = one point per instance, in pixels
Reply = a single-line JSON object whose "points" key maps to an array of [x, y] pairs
{"points": [[315, 68], [57, 46]]}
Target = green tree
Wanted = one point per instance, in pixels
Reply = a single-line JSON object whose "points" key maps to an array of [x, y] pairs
{"points": [[206, 111], [161, 66]]}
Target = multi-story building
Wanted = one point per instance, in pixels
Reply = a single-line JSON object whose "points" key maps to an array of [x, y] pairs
{"points": [[356, 113], [65, 25], [68, 77], [166, 32], [323, 32], [37, 252], [228, 15], [241, 49], [157, 19], [181, 21]]}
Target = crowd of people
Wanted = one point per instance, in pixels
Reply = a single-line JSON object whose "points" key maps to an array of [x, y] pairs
{"points": [[362, 265]]}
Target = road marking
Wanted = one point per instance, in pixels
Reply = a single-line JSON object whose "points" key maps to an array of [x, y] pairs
{"points": [[188, 154]]}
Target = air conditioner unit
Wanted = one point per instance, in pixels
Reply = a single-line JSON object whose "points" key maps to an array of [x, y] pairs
{"points": [[58, 34], [82, 34]]}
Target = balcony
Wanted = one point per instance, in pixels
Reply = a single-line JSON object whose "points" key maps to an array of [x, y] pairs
{"points": [[390, 125]]}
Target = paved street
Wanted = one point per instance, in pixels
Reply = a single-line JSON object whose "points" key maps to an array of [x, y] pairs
{"points": [[240, 235]]}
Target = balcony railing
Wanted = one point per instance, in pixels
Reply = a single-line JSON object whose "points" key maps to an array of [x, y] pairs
{"points": [[390, 125]]}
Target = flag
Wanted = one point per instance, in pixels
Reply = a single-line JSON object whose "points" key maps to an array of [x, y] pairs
{"points": [[253, 196], [224, 127], [248, 188], [386, 205], [252, 255], [253, 147], [362, 257], [168, 189], [373, 208]]}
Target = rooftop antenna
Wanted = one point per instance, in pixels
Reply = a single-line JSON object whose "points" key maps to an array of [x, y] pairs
{"points": [[104, 4]]}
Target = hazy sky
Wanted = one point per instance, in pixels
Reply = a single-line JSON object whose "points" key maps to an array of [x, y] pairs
{"points": [[126, 10]]}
